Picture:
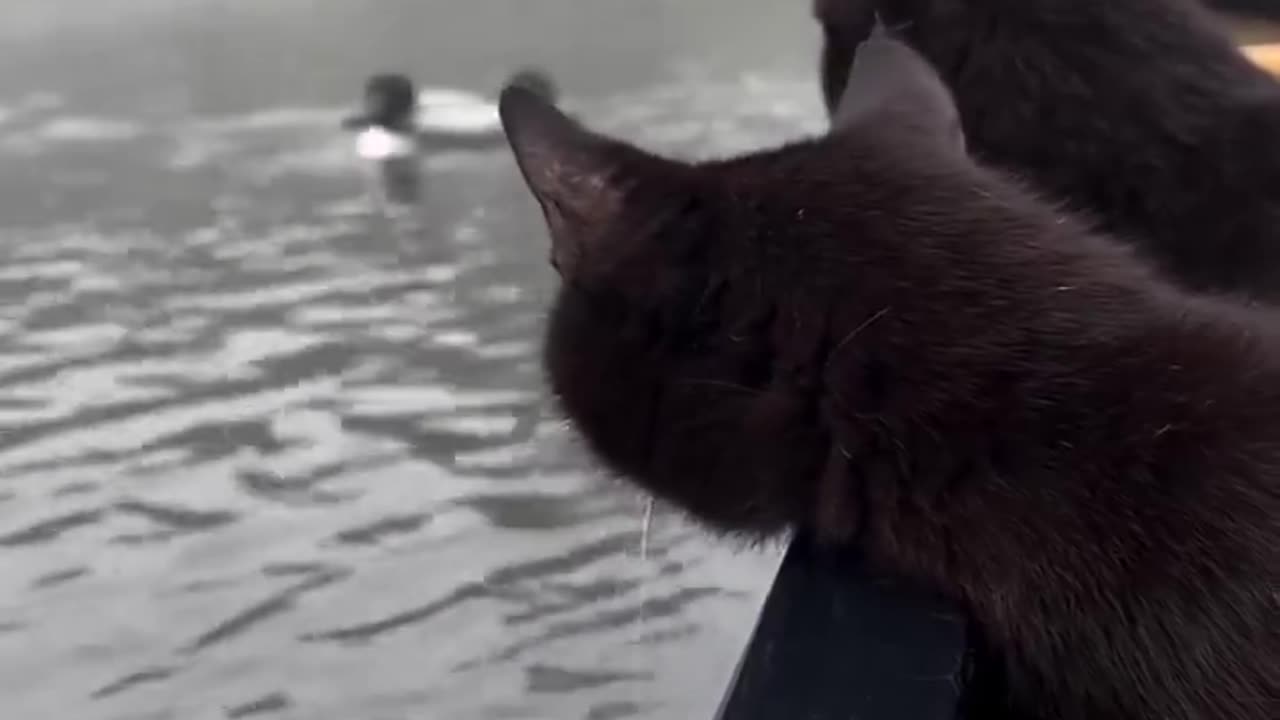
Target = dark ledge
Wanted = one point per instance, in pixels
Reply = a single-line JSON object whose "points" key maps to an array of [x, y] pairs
{"points": [[836, 641]]}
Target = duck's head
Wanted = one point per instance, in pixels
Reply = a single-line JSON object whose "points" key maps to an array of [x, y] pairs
{"points": [[390, 101]]}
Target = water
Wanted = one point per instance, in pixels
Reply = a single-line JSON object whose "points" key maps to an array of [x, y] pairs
{"points": [[265, 455]]}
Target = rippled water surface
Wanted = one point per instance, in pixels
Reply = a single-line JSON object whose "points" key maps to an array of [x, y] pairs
{"points": [[264, 454]]}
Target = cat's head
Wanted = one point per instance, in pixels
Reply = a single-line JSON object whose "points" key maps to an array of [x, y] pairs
{"points": [[645, 248], [699, 301]]}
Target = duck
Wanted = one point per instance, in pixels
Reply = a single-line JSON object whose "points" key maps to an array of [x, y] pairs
{"points": [[398, 120]]}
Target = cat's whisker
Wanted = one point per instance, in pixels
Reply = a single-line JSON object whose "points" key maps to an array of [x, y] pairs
{"points": [[646, 523], [879, 25], [856, 331]]}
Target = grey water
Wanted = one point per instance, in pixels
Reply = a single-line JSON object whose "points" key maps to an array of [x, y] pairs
{"points": [[266, 455]]}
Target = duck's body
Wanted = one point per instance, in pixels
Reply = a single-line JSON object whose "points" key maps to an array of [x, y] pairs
{"points": [[397, 116], [447, 110], [400, 123], [443, 118]]}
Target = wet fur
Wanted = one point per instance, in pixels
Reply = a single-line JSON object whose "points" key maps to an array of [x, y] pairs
{"points": [[872, 337], [1141, 113]]}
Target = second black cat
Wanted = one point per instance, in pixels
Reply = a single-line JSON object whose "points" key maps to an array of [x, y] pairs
{"points": [[1141, 113]]}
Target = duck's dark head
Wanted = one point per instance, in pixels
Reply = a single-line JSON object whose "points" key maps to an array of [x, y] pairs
{"points": [[390, 101]]}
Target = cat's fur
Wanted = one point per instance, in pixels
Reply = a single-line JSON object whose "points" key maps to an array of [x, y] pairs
{"points": [[1142, 113], [871, 336]]}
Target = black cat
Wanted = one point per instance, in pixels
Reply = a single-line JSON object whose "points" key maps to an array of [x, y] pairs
{"points": [[872, 337], [1142, 113]]}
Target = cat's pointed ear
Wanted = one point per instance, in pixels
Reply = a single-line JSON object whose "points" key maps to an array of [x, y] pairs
{"points": [[892, 83], [577, 176]]}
